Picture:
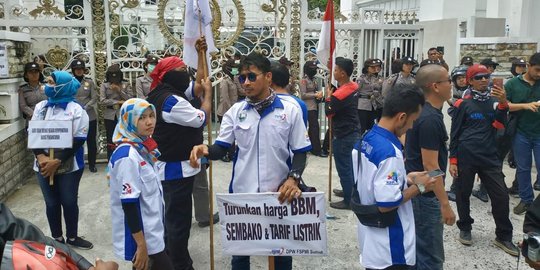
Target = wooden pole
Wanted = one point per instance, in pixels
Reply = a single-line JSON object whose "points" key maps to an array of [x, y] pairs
{"points": [[51, 156], [210, 169], [271, 263], [330, 148]]}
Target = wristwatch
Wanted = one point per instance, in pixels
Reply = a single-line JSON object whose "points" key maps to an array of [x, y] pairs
{"points": [[294, 175]]}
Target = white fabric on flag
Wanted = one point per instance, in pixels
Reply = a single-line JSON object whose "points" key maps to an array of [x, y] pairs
{"points": [[192, 31], [327, 39]]}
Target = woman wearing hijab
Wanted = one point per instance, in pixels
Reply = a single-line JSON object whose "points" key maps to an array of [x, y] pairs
{"points": [[33, 91], [68, 164], [136, 190]]}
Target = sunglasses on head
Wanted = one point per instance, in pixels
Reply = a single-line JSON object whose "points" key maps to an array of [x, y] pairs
{"points": [[482, 76], [252, 77]]}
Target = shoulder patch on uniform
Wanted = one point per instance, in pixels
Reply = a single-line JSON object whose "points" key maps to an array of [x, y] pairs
{"points": [[119, 153], [458, 103]]}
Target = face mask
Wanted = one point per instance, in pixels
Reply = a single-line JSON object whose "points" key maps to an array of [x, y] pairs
{"points": [[234, 71], [53, 90], [151, 68]]}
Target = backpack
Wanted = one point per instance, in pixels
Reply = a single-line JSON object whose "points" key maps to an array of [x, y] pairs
{"points": [[29, 255]]}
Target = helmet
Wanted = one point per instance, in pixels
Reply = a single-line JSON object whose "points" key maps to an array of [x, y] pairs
{"points": [[459, 71], [114, 74], [77, 64], [32, 66]]}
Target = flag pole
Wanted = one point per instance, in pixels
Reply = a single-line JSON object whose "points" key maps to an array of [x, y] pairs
{"points": [[330, 148], [210, 169]]}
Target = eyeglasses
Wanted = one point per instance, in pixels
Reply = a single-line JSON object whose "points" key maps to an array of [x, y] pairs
{"points": [[252, 77], [447, 80], [480, 77]]}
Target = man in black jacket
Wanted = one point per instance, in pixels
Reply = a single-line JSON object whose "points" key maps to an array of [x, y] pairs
{"points": [[473, 150], [341, 105]]}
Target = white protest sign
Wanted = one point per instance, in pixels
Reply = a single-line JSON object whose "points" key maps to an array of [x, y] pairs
{"points": [[50, 134], [257, 224], [4, 64]]}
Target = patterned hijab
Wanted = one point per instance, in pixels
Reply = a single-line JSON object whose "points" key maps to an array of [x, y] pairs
{"points": [[126, 129]]}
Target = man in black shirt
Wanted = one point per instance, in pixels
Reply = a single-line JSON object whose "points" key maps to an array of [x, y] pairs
{"points": [[473, 150], [425, 150], [341, 106]]}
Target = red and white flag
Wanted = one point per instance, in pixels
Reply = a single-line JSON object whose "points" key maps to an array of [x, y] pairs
{"points": [[192, 30], [327, 38]]}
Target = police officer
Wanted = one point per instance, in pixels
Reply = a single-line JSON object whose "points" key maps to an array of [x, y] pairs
{"points": [[467, 61], [370, 100], [310, 94], [112, 94], [405, 76], [33, 91], [143, 82], [87, 96], [519, 66]]}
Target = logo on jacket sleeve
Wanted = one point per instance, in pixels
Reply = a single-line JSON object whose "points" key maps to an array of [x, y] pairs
{"points": [[126, 189], [392, 179]]}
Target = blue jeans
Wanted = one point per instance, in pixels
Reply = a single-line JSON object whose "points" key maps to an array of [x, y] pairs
{"points": [[242, 262], [62, 196], [429, 233], [342, 148], [524, 147]]}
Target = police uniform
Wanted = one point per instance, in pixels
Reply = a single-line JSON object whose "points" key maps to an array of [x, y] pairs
{"points": [[264, 138], [109, 98], [143, 82], [394, 79], [134, 180], [87, 97], [370, 99], [142, 85], [29, 95]]}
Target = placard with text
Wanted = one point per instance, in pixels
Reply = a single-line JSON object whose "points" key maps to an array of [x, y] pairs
{"points": [[257, 224], [50, 134]]}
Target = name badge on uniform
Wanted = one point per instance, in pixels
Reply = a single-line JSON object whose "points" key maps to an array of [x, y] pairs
{"points": [[242, 116]]}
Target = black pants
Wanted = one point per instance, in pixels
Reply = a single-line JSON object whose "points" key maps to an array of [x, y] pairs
{"points": [[178, 204], [367, 119], [493, 180], [314, 132], [326, 142], [91, 143], [109, 130], [160, 261]]}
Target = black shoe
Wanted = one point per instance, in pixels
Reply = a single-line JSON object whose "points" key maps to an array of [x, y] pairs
{"points": [[465, 238], [60, 240], [536, 185], [480, 195], [338, 192], [521, 208], [93, 169], [514, 192], [340, 205], [79, 242], [451, 195], [203, 224], [324, 153], [507, 246]]}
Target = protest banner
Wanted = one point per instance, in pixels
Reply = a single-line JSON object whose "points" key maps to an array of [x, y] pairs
{"points": [[50, 134], [257, 224]]}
